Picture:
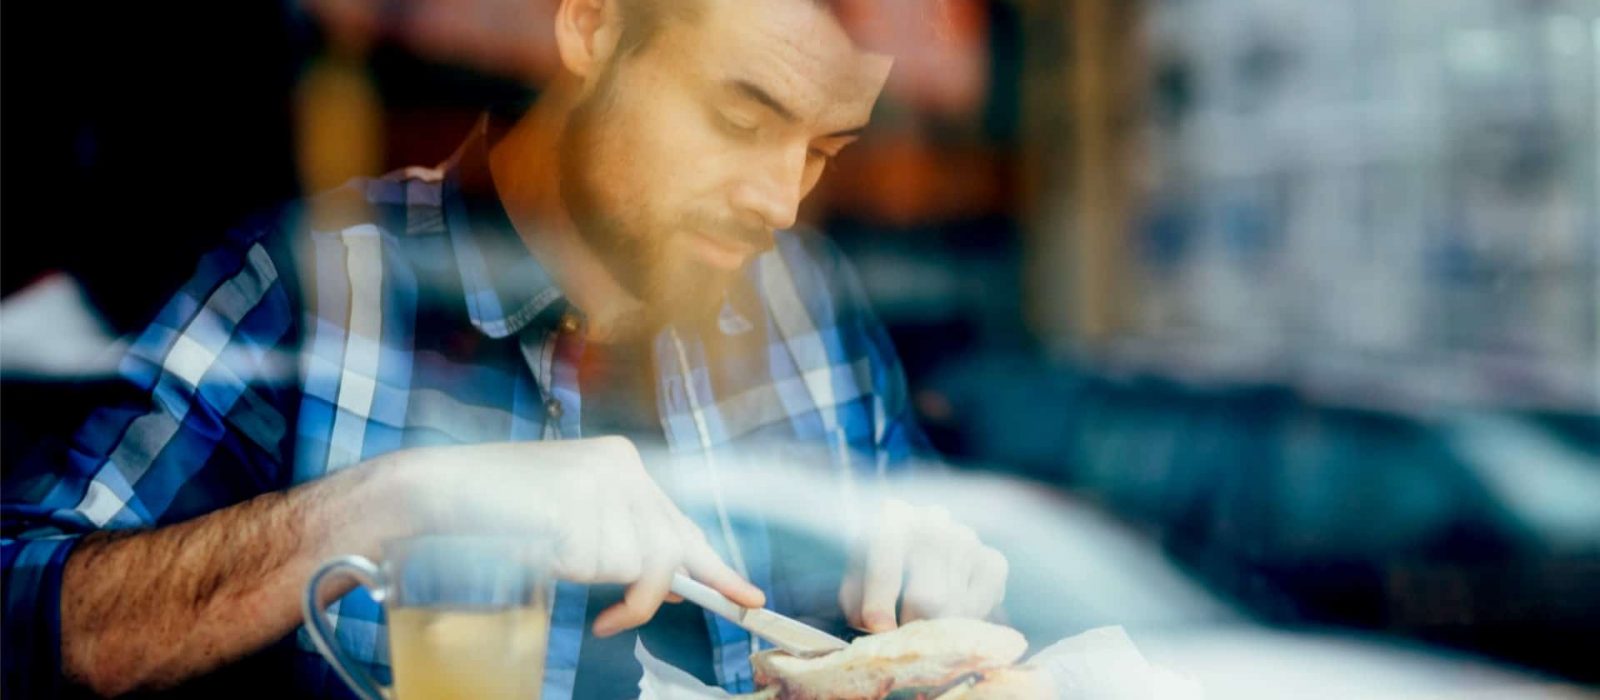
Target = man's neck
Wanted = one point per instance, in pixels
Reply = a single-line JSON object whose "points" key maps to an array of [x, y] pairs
{"points": [[526, 168]]}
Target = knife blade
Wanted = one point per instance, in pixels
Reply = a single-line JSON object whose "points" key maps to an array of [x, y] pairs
{"points": [[786, 633]]}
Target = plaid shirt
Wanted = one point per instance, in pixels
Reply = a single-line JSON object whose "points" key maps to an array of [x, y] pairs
{"points": [[405, 311]]}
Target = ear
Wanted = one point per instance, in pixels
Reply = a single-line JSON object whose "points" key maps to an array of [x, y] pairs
{"points": [[586, 35]]}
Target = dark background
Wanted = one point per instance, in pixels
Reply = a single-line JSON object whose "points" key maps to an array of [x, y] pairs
{"points": [[134, 134]]}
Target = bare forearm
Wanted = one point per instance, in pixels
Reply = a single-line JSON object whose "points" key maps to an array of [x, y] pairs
{"points": [[152, 608]]}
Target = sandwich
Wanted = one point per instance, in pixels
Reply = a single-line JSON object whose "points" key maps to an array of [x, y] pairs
{"points": [[948, 659]]}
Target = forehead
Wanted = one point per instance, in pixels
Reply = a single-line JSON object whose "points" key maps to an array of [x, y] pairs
{"points": [[792, 49]]}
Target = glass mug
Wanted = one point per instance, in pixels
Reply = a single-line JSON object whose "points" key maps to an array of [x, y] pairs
{"points": [[469, 617]]}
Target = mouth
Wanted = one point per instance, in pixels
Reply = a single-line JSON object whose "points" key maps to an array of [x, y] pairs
{"points": [[721, 252]]}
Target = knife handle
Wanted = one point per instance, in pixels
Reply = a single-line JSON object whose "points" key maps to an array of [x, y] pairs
{"points": [[702, 595]]}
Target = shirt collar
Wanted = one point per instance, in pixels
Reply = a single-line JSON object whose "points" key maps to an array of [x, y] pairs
{"points": [[505, 288]]}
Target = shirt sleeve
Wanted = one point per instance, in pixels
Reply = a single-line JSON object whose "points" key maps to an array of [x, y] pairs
{"points": [[202, 420]]}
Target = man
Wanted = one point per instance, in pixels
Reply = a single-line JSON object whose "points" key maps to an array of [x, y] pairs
{"points": [[420, 353]]}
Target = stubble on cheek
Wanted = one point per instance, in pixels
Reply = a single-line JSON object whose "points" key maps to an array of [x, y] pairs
{"points": [[628, 194], [686, 289]]}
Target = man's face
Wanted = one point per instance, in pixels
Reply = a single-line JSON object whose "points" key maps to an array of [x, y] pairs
{"points": [[687, 155]]}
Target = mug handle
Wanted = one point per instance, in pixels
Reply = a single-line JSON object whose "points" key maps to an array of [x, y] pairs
{"points": [[368, 576]]}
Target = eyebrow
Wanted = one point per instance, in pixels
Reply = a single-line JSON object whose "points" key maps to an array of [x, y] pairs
{"points": [[755, 92]]}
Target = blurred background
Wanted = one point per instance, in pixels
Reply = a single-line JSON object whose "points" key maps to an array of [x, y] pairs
{"points": [[1304, 294]]}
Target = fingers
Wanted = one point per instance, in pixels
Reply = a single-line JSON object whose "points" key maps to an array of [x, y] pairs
{"points": [[661, 552], [622, 528], [928, 572], [706, 567], [579, 559], [640, 601], [885, 567], [964, 557], [850, 598], [988, 583], [621, 550], [673, 597], [937, 567]]}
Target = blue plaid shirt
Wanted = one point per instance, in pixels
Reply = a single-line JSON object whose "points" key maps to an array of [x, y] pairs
{"points": [[405, 311]]}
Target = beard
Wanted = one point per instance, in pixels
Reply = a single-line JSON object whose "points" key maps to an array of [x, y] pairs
{"points": [[634, 249]]}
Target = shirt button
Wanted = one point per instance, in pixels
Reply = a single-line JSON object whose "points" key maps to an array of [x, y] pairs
{"points": [[570, 324], [553, 409]]}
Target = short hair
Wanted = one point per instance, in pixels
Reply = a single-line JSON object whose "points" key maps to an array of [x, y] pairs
{"points": [[642, 20]]}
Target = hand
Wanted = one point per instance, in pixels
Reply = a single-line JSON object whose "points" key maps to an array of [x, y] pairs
{"points": [[944, 569], [613, 524]]}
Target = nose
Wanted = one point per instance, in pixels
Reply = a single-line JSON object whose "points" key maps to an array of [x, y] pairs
{"points": [[771, 191]]}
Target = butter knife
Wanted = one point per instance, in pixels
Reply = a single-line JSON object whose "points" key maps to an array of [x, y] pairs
{"points": [[786, 633]]}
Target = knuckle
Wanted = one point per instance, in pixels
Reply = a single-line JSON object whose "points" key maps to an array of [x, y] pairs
{"points": [[695, 546], [881, 572], [965, 535], [996, 562], [888, 542], [619, 448], [690, 531]]}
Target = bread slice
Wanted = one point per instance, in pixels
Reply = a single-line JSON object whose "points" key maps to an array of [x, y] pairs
{"points": [[922, 654]]}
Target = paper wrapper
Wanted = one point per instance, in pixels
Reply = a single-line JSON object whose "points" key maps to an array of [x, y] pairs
{"points": [[1104, 663], [1101, 664], [663, 681]]}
